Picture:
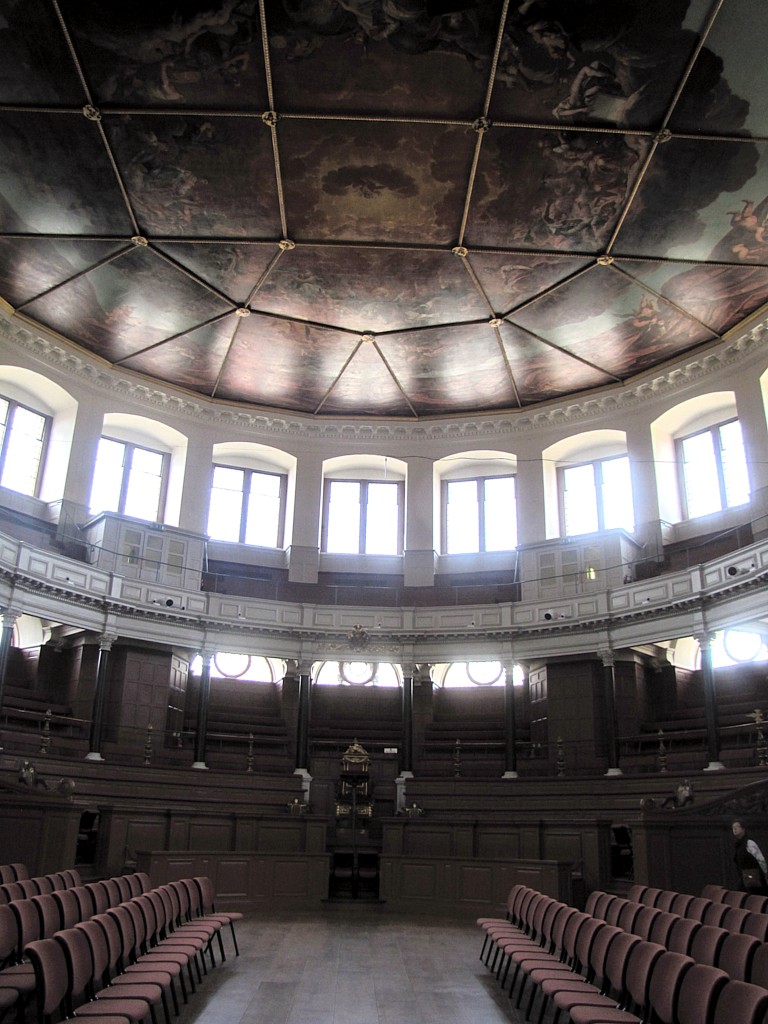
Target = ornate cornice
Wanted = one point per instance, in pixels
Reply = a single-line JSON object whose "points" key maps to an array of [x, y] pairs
{"points": [[63, 357]]}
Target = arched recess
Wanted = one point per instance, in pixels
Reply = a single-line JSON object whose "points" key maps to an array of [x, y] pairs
{"points": [[265, 459], [587, 446], [480, 465], [45, 396], [696, 413], [161, 437]]}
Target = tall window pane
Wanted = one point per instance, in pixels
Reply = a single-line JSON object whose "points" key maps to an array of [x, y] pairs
{"points": [[23, 450], [381, 519], [700, 475], [500, 513], [343, 528], [735, 475], [145, 481], [264, 504], [580, 500], [226, 504], [462, 517], [107, 476], [618, 511]]}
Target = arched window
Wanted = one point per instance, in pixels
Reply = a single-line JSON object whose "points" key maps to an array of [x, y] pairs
{"points": [[478, 502], [363, 505], [357, 673], [139, 467], [249, 492], [590, 473], [474, 673]]}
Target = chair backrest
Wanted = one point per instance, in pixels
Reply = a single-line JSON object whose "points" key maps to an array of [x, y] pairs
{"points": [[532, 911], [27, 921], [522, 907], [72, 876], [705, 947], [44, 884], [681, 935], [7, 874], [547, 923], [614, 909], [715, 913], [640, 964], [51, 975], [757, 925], [735, 919], [50, 915], [69, 907], [124, 934], [110, 944], [759, 967], [742, 1003], [585, 937], [757, 904], [559, 927], [84, 901], [699, 991], [144, 880], [617, 960], [598, 954], [207, 894], [114, 896], [9, 935], [736, 954], [571, 934], [592, 900], [20, 871], [713, 893], [636, 892], [80, 962], [99, 896], [58, 881], [122, 883], [158, 908], [681, 903], [98, 946], [135, 885], [644, 922], [650, 896], [661, 926], [664, 899], [665, 983], [170, 911], [29, 887], [697, 908], [139, 927], [12, 891], [733, 897], [627, 916], [196, 909]]}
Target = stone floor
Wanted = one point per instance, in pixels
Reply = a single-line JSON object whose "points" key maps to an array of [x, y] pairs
{"points": [[351, 964]]}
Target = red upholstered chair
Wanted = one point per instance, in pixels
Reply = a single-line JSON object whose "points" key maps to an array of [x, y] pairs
{"points": [[124, 886], [697, 908], [147, 938], [650, 896], [52, 986], [757, 904], [49, 914], [714, 893], [207, 903], [638, 971], [665, 898], [681, 935], [757, 925], [135, 884], [7, 874], [699, 993], [99, 897], [69, 907], [129, 923], [628, 915], [114, 894], [735, 918], [44, 884], [614, 909], [681, 903], [20, 870], [705, 947], [734, 897], [736, 954], [661, 926], [635, 893], [741, 1002], [714, 914], [643, 922]]}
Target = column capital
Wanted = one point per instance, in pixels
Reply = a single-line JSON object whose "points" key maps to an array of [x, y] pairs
{"points": [[207, 654], [10, 616], [304, 666], [704, 640], [106, 641], [607, 656]]}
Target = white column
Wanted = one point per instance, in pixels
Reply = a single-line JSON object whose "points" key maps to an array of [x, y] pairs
{"points": [[304, 551], [419, 554], [750, 403], [645, 492], [86, 435], [196, 488], [531, 518]]}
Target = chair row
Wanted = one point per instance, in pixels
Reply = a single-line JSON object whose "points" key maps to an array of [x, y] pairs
{"points": [[118, 938], [23, 888], [13, 872], [663, 898], [696, 908], [596, 971]]}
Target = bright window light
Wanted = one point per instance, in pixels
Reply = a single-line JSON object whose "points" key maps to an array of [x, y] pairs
{"points": [[128, 479], [480, 515], [246, 506], [364, 517], [23, 442], [597, 496], [714, 469]]}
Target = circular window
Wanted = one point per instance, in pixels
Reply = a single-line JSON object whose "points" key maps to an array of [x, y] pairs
{"points": [[357, 672], [232, 666], [741, 646], [484, 673]]}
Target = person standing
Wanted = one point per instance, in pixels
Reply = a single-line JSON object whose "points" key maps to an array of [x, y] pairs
{"points": [[750, 862]]}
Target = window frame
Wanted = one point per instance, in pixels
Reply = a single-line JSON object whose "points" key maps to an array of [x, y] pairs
{"points": [[445, 483], [714, 431], [130, 448], [47, 419], [245, 497], [363, 484], [597, 475]]}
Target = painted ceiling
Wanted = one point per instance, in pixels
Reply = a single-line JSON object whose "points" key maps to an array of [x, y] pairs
{"points": [[385, 207]]}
